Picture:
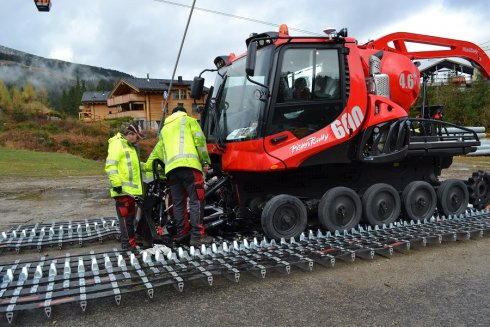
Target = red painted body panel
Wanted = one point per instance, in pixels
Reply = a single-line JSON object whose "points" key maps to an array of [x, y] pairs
{"points": [[382, 109], [246, 156], [404, 77]]}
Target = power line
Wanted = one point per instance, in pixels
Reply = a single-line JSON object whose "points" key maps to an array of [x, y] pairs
{"points": [[484, 43], [237, 17]]}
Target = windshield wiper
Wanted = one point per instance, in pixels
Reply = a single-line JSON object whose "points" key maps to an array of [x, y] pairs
{"points": [[220, 140]]}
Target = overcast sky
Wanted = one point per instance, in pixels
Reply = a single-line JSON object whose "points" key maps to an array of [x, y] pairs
{"points": [[143, 36]]}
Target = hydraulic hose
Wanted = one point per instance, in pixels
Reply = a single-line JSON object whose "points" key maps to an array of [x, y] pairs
{"points": [[216, 187]]}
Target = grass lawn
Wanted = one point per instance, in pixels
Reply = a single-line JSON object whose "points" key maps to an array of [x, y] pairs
{"points": [[18, 163]]}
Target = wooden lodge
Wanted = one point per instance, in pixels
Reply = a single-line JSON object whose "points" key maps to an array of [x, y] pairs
{"points": [[139, 98], [94, 106]]}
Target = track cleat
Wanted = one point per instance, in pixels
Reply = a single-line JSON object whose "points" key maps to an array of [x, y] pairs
{"points": [[204, 250]]}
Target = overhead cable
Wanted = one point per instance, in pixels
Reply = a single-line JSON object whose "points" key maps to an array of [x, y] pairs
{"points": [[237, 17]]}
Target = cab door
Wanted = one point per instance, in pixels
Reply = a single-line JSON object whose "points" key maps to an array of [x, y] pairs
{"points": [[309, 94]]}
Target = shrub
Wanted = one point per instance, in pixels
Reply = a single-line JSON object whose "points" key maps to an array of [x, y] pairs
{"points": [[52, 127], [66, 143], [20, 115]]}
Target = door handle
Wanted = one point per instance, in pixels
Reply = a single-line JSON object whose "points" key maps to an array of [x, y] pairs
{"points": [[279, 138]]}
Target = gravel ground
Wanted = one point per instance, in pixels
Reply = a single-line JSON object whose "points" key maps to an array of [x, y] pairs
{"points": [[444, 285]]}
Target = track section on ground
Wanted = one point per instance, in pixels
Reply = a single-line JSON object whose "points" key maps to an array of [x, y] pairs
{"points": [[48, 282], [59, 234]]}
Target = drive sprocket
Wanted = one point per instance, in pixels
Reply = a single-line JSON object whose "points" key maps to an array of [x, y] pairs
{"points": [[479, 189]]}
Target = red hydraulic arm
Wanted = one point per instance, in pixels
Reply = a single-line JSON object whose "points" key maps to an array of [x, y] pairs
{"points": [[455, 48]]}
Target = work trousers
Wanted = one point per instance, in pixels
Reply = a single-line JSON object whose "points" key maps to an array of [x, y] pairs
{"points": [[187, 181], [126, 213]]}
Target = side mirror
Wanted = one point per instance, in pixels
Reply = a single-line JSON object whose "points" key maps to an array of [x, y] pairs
{"points": [[343, 32], [197, 87], [251, 56]]}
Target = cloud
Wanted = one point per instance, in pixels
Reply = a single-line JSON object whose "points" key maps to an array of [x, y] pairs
{"points": [[140, 37], [62, 53]]}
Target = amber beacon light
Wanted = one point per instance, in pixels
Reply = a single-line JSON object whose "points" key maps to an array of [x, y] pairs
{"points": [[43, 5]]}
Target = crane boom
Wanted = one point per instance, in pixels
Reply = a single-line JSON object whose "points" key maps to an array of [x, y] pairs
{"points": [[454, 48]]}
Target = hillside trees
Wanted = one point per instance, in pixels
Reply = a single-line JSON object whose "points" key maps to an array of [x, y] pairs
{"points": [[71, 97], [22, 104], [467, 106], [5, 99]]}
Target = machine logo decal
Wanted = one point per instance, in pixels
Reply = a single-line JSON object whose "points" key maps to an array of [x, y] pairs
{"points": [[470, 50], [309, 142], [348, 122]]}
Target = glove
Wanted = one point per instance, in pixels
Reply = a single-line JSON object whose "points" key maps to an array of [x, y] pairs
{"points": [[117, 189]]}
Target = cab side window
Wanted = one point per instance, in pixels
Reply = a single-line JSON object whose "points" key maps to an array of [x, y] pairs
{"points": [[308, 92]]}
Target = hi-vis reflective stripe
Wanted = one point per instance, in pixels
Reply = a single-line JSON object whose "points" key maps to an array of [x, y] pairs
{"points": [[180, 156], [129, 184], [111, 162], [182, 132], [198, 134], [130, 166], [203, 149], [112, 172]]}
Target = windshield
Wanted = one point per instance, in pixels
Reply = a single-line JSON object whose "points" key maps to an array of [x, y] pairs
{"points": [[237, 105]]}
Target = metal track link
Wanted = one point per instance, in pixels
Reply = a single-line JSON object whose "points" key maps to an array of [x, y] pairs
{"points": [[45, 283], [59, 234]]}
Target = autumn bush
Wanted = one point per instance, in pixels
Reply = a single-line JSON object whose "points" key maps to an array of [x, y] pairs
{"points": [[27, 122], [463, 105], [67, 135]]}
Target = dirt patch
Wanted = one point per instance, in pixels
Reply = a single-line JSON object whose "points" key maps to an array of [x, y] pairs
{"points": [[38, 200]]}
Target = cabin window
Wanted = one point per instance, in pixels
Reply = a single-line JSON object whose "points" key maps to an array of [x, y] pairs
{"points": [[308, 91]]}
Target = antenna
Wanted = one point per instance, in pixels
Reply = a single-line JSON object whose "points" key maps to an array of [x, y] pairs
{"points": [[175, 68]]}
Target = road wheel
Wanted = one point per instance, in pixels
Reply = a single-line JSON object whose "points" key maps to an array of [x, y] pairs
{"points": [[419, 200], [340, 209], [381, 204], [452, 197], [284, 216]]}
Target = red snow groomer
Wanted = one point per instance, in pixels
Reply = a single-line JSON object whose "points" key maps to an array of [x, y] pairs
{"points": [[315, 130]]}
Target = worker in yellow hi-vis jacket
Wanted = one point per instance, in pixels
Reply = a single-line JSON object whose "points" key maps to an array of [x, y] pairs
{"points": [[123, 169], [182, 147]]}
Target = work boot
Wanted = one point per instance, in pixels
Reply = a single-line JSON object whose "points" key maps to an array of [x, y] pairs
{"points": [[206, 239], [126, 246], [182, 239], [141, 241]]}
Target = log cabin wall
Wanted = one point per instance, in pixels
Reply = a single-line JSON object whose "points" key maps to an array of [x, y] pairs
{"points": [[141, 99]]}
